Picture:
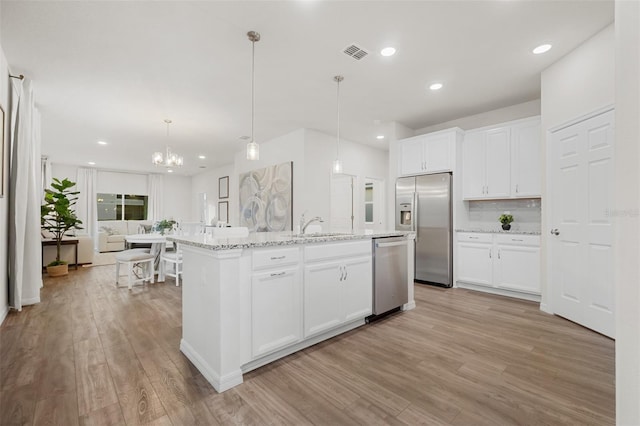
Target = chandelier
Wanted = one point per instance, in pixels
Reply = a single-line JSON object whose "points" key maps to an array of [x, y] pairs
{"points": [[253, 149], [168, 158], [337, 163]]}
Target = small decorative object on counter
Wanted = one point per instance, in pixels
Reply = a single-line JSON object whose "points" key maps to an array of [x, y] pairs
{"points": [[505, 219]]}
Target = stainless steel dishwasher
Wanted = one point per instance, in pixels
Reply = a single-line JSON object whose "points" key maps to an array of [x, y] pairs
{"points": [[390, 274]]}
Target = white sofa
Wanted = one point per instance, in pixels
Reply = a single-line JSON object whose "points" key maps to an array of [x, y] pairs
{"points": [[111, 234], [67, 252]]}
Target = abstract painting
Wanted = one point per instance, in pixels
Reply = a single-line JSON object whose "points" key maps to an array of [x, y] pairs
{"points": [[266, 198]]}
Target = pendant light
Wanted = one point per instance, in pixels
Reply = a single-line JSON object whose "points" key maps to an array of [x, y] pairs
{"points": [[337, 163], [170, 158], [253, 149]]}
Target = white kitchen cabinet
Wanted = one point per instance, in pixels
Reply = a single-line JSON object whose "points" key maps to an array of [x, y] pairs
{"points": [[276, 299], [517, 262], [276, 304], [508, 262], [486, 164], [526, 172], [430, 153], [337, 289], [474, 259], [502, 162]]}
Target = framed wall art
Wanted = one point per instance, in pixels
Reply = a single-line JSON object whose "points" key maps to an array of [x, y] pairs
{"points": [[223, 187], [223, 211]]}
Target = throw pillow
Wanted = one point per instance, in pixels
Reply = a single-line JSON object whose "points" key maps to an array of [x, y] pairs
{"points": [[110, 231]]}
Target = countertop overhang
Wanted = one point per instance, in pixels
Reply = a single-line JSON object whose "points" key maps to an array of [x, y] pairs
{"points": [[271, 239]]}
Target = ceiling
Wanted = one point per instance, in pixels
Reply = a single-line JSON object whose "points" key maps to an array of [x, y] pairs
{"points": [[114, 70]]}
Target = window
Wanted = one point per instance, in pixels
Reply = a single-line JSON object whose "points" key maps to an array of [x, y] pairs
{"points": [[122, 207], [368, 202]]}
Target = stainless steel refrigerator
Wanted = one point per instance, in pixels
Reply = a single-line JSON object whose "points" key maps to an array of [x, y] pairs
{"points": [[423, 205]]}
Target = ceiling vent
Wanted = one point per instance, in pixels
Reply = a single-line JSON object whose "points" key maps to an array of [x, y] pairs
{"points": [[355, 52]]}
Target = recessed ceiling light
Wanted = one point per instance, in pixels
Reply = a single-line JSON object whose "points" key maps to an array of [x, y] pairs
{"points": [[91, 163], [102, 143], [541, 49], [169, 171], [388, 51], [380, 137], [202, 157], [436, 86]]}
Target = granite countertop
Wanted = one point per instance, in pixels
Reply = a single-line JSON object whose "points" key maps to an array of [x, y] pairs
{"points": [[498, 231], [271, 239]]}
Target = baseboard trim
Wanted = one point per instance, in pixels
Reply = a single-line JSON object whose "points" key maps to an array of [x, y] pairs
{"points": [[500, 292], [409, 306], [4, 313], [546, 308], [32, 301], [219, 383]]}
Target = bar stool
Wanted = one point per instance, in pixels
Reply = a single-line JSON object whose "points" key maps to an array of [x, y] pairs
{"points": [[174, 258], [132, 257]]}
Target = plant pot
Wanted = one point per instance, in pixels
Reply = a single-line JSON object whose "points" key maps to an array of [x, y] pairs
{"points": [[58, 270], [506, 226]]}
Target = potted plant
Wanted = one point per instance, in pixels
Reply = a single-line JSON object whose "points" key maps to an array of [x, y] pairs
{"points": [[165, 224], [57, 217], [505, 219]]}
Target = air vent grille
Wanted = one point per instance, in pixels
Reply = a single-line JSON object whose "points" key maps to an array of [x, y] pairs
{"points": [[355, 52]]}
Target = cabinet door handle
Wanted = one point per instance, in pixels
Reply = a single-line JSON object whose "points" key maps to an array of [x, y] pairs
{"points": [[474, 238], [490, 253], [498, 253], [516, 188], [278, 257], [279, 274], [341, 273], [346, 273], [516, 239]]}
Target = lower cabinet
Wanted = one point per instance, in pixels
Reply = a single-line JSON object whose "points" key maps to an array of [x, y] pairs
{"points": [[276, 306], [504, 261], [338, 287]]}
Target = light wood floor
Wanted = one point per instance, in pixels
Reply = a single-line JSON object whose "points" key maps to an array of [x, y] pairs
{"points": [[93, 354]]}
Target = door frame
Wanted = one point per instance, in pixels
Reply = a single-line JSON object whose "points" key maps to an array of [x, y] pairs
{"points": [[547, 302]]}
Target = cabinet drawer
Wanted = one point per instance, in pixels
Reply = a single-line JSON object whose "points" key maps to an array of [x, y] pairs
{"points": [[324, 251], [518, 240], [475, 237], [270, 258]]}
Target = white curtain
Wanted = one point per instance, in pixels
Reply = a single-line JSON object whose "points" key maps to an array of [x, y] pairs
{"points": [[87, 204], [156, 197], [45, 170], [25, 264]]}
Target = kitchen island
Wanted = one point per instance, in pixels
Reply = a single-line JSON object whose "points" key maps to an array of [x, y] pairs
{"points": [[249, 301]]}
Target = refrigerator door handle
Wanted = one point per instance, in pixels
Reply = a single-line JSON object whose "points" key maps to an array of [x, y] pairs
{"points": [[416, 200]]}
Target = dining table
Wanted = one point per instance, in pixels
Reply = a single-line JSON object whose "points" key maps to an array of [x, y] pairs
{"points": [[158, 246]]}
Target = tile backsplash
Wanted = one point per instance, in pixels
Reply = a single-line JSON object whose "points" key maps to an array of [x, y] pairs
{"points": [[484, 214]]}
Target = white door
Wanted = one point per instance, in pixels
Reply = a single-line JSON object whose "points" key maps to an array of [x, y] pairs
{"points": [[498, 163], [411, 161], [342, 203], [473, 165], [437, 153], [526, 167], [475, 263], [322, 297], [356, 288], [276, 300], [581, 188]]}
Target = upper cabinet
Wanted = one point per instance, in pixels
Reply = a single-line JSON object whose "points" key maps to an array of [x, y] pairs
{"points": [[502, 162], [431, 153]]}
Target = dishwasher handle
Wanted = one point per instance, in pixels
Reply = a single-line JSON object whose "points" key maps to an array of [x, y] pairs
{"points": [[398, 243]]}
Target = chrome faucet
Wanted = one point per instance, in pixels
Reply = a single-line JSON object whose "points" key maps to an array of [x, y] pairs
{"points": [[303, 225]]}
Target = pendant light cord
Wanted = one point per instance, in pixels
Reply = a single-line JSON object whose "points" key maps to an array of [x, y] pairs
{"points": [[338, 109], [253, 82]]}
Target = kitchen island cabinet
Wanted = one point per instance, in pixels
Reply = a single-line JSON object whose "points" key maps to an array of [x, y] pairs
{"points": [[249, 301]]}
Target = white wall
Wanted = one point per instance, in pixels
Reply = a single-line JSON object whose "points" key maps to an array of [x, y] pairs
{"points": [[627, 199], [4, 201], [488, 118], [358, 160], [580, 82], [207, 182], [177, 197]]}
